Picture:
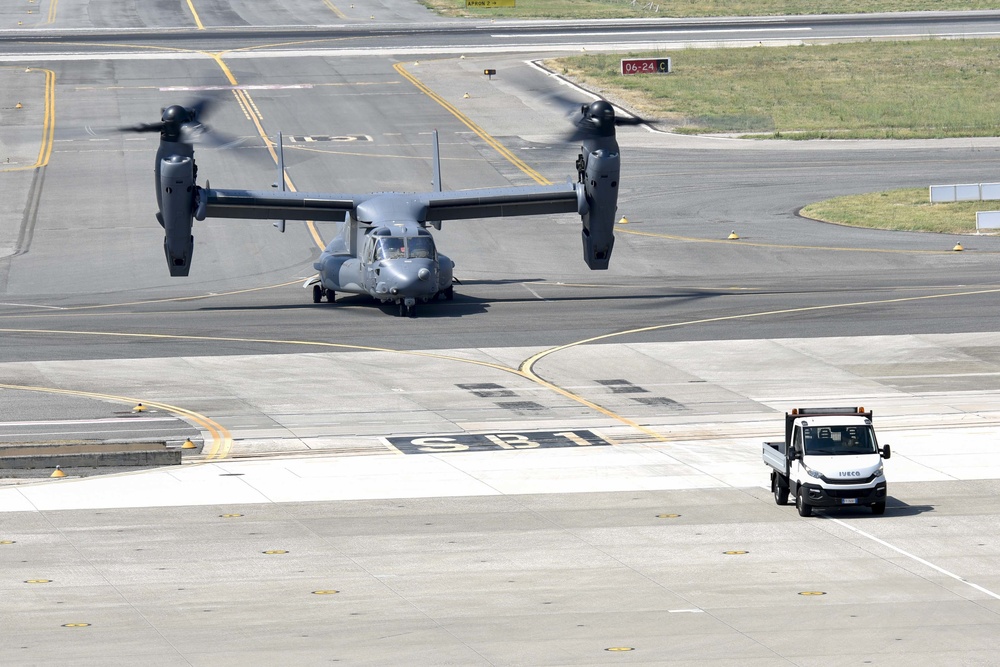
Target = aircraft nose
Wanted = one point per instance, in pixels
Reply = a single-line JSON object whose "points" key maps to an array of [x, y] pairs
{"points": [[406, 279]]}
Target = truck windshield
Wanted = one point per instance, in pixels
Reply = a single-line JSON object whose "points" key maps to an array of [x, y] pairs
{"points": [[836, 440]]}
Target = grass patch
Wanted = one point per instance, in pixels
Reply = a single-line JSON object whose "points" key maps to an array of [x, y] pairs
{"points": [[594, 9], [901, 210], [865, 90]]}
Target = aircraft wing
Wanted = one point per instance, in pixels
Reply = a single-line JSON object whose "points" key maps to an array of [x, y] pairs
{"points": [[270, 205], [452, 205], [505, 201]]}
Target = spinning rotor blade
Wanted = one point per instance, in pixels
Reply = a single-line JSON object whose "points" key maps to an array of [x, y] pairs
{"points": [[595, 119], [183, 124]]}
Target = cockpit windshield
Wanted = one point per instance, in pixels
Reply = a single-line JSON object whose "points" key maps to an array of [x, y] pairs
{"points": [[399, 247], [420, 246], [389, 247], [839, 440]]}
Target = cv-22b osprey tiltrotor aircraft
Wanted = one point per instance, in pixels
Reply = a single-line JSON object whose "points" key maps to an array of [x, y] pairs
{"points": [[384, 248]]}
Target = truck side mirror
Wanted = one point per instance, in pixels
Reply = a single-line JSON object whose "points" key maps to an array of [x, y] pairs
{"points": [[886, 453]]}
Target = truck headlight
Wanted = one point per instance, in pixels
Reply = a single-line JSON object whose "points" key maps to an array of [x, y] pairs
{"points": [[879, 472], [811, 472]]}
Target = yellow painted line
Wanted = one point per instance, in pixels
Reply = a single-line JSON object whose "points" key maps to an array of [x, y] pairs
{"points": [[173, 299], [493, 143], [222, 441], [691, 239], [527, 367], [247, 102], [331, 151], [333, 8], [48, 123], [52, 11], [541, 180], [194, 13], [264, 341]]}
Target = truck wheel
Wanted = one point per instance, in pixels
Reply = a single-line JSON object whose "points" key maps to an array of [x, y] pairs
{"points": [[780, 494], [878, 508], [804, 508]]}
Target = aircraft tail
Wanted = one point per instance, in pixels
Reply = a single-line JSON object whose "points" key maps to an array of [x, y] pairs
{"points": [[436, 183], [280, 224]]}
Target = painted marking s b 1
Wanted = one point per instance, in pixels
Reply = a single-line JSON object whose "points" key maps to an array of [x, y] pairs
{"points": [[491, 442]]}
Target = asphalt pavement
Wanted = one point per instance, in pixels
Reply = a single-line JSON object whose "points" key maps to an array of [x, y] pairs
{"points": [[558, 467]]}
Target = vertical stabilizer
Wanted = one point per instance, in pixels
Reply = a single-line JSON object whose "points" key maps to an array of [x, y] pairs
{"points": [[280, 224], [436, 183]]}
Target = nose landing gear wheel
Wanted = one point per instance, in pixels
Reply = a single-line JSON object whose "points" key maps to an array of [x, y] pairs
{"points": [[317, 293]]}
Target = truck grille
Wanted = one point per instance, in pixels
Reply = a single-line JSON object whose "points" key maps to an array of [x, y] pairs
{"points": [[849, 480]]}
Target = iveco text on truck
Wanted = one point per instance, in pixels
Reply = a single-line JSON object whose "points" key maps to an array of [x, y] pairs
{"points": [[829, 458]]}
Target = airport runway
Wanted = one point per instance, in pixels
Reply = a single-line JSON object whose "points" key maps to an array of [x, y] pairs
{"points": [[558, 467]]}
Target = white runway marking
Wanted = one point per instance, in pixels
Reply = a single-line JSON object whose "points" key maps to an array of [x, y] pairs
{"points": [[651, 32], [109, 420], [918, 559]]}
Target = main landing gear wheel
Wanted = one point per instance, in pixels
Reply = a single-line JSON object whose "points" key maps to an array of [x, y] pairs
{"points": [[449, 293], [320, 292], [804, 508]]}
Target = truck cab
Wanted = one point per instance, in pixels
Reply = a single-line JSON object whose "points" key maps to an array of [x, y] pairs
{"points": [[830, 458]]}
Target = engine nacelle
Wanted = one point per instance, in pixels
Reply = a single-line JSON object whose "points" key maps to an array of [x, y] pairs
{"points": [[177, 204], [603, 167]]}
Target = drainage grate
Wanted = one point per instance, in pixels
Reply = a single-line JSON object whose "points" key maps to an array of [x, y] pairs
{"points": [[522, 406], [487, 390], [659, 401], [622, 387]]}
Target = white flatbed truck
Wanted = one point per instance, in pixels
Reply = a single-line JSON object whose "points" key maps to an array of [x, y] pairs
{"points": [[829, 458]]}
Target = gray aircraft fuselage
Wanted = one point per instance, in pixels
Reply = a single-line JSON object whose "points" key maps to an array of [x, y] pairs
{"points": [[383, 248], [393, 262]]}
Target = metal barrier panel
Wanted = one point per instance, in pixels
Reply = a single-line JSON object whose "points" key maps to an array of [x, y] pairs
{"points": [[942, 193], [987, 220], [990, 190], [967, 192]]}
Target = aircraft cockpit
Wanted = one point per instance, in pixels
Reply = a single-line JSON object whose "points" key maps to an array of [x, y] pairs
{"points": [[404, 247]]}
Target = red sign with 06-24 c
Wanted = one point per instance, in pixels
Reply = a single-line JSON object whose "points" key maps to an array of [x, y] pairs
{"points": [[645, 65]]}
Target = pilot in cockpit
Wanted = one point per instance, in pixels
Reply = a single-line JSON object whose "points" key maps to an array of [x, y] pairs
{"points": [[389, 247]]}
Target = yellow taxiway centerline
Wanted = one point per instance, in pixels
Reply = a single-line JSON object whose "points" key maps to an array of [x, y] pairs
{"points": [[194, 13], [526, 369], [48, 122], [254, 115], [222, 441]]}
